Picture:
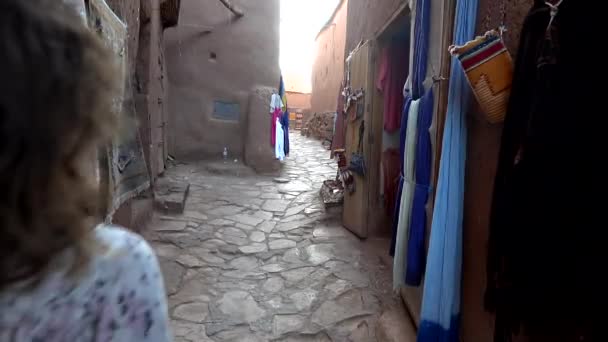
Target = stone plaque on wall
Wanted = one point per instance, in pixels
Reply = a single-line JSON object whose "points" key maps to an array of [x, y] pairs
{"points": [[226, 111]]}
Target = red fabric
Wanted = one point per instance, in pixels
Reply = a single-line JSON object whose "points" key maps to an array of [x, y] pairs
{"points": [[391, 164], [392, 74], [273, 126]]}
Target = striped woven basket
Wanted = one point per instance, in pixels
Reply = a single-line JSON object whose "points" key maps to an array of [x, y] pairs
{"points": [[489, 69]]}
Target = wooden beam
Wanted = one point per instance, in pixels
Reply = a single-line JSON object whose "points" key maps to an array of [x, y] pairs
{"points": [[235, 10]]}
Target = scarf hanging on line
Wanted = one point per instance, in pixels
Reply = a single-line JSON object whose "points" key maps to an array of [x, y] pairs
{"points": [[285, 124], [420, 61], [402, 134], [413, 90], [406, 197], [284, 117], [440, 318], [416, 257], [422, 23]]}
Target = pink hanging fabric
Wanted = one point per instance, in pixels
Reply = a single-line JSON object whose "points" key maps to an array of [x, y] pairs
{"points": [[392, 73]]}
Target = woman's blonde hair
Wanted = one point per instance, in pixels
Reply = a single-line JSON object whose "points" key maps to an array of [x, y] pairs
{"points": [[57, 84]]}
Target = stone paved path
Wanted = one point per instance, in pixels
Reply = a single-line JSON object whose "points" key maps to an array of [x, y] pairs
{"points": [[255, 258]]}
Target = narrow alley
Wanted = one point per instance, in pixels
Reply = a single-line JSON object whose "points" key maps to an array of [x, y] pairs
{"points": [[300, 171], [258, 258]]}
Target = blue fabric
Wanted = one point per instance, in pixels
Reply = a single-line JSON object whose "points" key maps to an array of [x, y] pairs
{"points": [[421, 46], [441, 296], [402, 134], [416, 257], [285, 124], [284, 119], [429, 331], [421, 30], [281, 88]]}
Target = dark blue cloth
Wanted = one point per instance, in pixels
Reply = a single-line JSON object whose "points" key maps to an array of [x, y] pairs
{"points": [[434, 332], [285, 124], [281, 88], [416, 258], [421, 46], [421, 30], [402, 134]]}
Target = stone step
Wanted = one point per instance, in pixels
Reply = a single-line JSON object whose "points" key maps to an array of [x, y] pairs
{"points": [[170, 196], [395, 325]]}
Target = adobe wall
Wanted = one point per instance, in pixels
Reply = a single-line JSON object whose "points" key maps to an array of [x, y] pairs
{"points": [[298, 101], [212, 56], [366, 17], [328, 66]]}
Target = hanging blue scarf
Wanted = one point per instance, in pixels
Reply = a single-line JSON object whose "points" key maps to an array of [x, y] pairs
{"points": [[422, 24], [415, 244], [416, 257], [421, 29], [440, 317], [284, 118], [285, 124]]}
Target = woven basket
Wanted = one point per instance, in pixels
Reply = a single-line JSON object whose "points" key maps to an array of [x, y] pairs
{"points": [[489, 69]]}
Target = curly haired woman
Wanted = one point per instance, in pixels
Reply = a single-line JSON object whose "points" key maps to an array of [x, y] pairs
{"points": [[61, 277]]}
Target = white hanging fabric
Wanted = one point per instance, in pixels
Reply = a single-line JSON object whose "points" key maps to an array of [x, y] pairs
{"points": [[279, 147], [275, 103], [407, 196]]}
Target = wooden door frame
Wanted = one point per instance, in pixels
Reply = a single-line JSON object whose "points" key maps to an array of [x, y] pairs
{"points": [[375, 217], [359, 206]]}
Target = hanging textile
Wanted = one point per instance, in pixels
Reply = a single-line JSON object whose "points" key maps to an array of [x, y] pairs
{"points": [[440, 317], [422, 23], [128, 172], [279, 149], [392, 74], [545, 267], [285, 126], [284, 116], [402, 134], [415, 83], [283, 95], [276, 105], [416, 257], [407, 197]]}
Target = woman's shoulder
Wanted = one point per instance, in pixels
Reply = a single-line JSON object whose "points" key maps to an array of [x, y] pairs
{"points": [[114, 239], [128, 274], [118, 296], [118, 249]]}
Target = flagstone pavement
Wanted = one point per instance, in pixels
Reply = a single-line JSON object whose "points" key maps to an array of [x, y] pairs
{"points": [[258, 258]]}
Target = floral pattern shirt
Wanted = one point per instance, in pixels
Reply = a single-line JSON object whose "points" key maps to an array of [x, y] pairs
{"points": [[119, 297]]}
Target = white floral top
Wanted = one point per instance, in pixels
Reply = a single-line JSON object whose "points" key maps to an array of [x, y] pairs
{"points": [[120, 297]]}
